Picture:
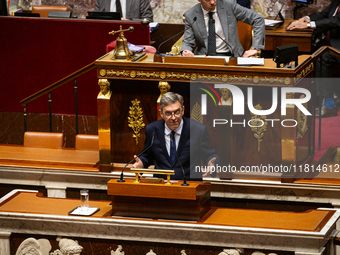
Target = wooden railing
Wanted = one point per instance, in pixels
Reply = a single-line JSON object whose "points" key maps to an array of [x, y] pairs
{"points": [[52, 87], [315, 56]]}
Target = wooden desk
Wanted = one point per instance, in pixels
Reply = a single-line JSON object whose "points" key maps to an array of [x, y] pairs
{"points": [[274, 38], [28, 213], [45, 157], [279, 37]]}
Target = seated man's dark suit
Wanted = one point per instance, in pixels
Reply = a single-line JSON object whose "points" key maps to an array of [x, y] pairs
{"points": [[194, 142]]}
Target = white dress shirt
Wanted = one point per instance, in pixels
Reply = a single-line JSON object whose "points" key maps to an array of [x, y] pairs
{"points": [[122, 4], [167, 132], [221, 46]]}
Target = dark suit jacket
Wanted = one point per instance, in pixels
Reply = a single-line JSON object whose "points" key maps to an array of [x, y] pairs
{"points": [[194, 145], [325, 21], [135, 9], [229, 13]]}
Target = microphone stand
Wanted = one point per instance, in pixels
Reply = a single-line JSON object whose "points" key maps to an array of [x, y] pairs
{"points": [[157, 56], [122, 174], [184, 178]]}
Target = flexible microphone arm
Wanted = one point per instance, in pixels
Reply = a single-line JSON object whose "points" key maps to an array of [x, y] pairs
{"points": [[184, 178], [232, 55], [122, 174], [159, 46]]}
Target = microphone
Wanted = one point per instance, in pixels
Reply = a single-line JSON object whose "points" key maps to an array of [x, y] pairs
{"points": [[232, 55], [122, 174], [184, 178], [157, 55]]}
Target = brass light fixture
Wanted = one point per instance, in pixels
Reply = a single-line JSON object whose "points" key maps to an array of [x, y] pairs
{"points": [[122, 50]]}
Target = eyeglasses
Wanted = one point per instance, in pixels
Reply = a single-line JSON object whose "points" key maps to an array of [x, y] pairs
{"points": [[169, 114]]}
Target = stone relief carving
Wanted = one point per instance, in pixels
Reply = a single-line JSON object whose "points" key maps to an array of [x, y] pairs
{"points": [[237, 251], [31, 246], [118, 251], [151, 252], [67, 247], [261, 253]]}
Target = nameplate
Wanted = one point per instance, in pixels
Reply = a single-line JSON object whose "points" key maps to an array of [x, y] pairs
{"points": [[195, 60]]}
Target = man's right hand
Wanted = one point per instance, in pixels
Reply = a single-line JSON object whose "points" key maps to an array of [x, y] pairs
{"points": [[138, 163], [187, 53]]}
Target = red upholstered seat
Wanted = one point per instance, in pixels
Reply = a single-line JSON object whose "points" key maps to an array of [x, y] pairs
{"points": [[148, 48]]}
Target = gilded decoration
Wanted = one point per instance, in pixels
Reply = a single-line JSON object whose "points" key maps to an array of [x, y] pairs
{"points": [[104, 86], [102, 72], [164, 87], [196, 77], [136, 122], [302, 126], [196, 113], [259, 126], [304, 72]]}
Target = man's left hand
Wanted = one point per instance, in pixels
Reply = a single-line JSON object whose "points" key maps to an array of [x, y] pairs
{"points": [[250, 53], [211, 164]]}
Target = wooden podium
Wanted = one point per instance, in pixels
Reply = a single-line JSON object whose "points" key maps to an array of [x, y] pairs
{"points": [[238, 146], [159, 201]]}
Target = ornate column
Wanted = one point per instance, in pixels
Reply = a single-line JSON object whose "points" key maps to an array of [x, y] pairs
{"points": [[104, 132]]}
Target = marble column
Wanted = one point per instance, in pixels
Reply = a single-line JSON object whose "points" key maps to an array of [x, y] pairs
{"points": [[56, 191], [4, 243]]}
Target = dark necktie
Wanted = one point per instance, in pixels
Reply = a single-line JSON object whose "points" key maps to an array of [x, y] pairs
{"points": [[119, 7], [211, 36], [172, 147], [328, 38]]}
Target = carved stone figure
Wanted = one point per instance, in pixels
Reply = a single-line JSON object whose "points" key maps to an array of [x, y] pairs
{"points": [[237, 251], [31, 246], [104, 85], [67, 247], [151, 252], [258, 253], [118, 251]]}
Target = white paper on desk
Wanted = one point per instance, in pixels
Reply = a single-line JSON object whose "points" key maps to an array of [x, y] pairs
{"points": [[270, 22], [87, 211], [250, 61]]}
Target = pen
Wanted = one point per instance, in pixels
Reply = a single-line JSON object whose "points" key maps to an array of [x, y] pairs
{"points": [[138, 58]]}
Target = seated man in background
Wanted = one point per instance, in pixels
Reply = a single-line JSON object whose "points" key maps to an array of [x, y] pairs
{"points": [[211, 26], [129, 9], [328, 20], [190, 140]]}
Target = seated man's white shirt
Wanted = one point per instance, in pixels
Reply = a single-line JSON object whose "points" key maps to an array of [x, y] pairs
{"points": [[221, 46]]}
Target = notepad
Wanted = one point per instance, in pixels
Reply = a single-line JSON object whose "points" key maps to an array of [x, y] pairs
{"points": [[84, 211]]}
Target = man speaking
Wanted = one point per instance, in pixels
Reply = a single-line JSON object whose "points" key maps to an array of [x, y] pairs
{"points": [[177, 134]]}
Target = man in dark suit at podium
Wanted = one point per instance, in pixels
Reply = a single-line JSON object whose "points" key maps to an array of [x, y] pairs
{"points": [[328, 21], [174, 132]]}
